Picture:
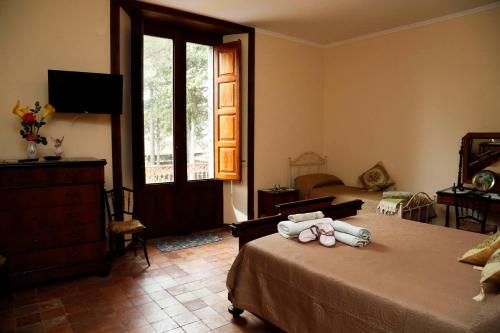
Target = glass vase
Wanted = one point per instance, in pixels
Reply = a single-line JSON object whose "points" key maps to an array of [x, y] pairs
{"points": [[32, 150]]}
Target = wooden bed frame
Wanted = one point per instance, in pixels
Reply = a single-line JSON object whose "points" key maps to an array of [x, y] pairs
{"points": [[253, 229]]}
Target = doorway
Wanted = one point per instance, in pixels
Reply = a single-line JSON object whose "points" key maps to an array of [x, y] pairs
{"points": [[173, 155]]}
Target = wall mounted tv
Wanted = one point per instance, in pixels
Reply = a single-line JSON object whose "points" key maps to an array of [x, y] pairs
{"points": [[80, 92]]}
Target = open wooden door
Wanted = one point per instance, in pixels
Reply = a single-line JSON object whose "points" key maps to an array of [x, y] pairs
{"points": [[227, 109]]}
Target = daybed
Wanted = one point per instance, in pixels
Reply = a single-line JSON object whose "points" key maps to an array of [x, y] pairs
{"points": [[308, 174], [407, 280]]}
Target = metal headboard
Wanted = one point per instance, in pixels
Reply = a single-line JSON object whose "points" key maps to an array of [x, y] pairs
{"points": [[309, 162]]}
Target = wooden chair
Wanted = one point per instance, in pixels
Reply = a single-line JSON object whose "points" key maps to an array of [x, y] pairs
{"points": [[120, 202], [471, 211]]}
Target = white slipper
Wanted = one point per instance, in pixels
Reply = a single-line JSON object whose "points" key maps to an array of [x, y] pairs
{"points": [[309, 234], [326, 237]]}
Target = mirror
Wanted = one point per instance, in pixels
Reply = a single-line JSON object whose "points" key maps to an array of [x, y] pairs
{"points": [[479, 150]]}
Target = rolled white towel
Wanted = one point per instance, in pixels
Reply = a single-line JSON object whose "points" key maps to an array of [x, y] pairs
{"points": [[350, 229], [289, 229], [350, 239], [306, 216]]}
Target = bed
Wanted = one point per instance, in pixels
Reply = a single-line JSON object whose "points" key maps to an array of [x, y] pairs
{"points": [[393, 285], [308, 174]]}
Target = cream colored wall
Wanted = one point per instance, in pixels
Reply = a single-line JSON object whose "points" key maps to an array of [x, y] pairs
{"points": [[52, 34], [288, 106], [407, 98]]}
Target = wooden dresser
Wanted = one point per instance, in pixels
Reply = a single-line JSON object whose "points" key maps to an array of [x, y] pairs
{"points": [[52, 219]]}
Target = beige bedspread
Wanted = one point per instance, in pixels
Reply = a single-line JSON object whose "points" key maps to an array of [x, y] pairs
{"points": [[407, 280], [344, 193]]}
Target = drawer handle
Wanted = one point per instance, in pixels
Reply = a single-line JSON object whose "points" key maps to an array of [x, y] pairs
{"points": [[74, 234]]}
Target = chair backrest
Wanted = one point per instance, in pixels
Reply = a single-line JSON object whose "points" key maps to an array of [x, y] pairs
{"points": [[472, 206], [119, 202]]}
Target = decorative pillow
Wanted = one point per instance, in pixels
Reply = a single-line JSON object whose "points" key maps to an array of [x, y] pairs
{"points": [[376, 178], [480, 253], [490, 273], [304, 184]]}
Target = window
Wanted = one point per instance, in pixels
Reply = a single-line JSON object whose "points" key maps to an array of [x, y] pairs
{"points": [[158, 110]]}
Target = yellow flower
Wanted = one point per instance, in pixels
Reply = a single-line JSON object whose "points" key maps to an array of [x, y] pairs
{"points": [[20, 112], [49, 109]]}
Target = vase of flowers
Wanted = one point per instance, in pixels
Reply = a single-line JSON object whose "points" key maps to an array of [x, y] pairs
{"points": [[31, 126]]}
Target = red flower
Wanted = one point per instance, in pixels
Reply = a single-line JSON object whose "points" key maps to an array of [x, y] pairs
{"points": [[29, 117], [31, 137]]}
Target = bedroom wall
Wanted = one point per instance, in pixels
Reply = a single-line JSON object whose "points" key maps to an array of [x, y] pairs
{"points": [[56, 34], [288, 106], [407, 98]]}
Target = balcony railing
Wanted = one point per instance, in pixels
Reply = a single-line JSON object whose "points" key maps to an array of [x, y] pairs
{"points": [[165, 173]]}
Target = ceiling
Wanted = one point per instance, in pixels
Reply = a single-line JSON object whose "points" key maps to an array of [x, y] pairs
{"points": [[324, 22]]}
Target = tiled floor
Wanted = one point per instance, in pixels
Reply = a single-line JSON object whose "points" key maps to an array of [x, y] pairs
{"points": [[182, 291]]}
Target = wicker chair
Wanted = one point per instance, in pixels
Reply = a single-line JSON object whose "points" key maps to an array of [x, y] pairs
{"points": [[119, 203]]}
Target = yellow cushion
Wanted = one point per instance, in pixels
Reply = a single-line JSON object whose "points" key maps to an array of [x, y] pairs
{"points": [[480, 253], [491, 272], [2, 260], [126, 227]]}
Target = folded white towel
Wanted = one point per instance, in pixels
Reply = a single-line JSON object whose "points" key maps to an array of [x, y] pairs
{"points": [[350, 229], [289, 229], [306, 216], [350, 239]]}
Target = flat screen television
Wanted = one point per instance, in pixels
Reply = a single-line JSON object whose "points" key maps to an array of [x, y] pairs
{"points": [[81, 92]]}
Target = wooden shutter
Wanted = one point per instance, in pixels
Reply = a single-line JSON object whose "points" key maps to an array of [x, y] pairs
{"points": [[227, 106]]}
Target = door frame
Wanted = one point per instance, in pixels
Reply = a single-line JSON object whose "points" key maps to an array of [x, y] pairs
{"points": [[194, 21]]}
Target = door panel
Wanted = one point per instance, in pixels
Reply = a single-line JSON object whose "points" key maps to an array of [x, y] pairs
{"points": [[227, 144], [166, 202]]}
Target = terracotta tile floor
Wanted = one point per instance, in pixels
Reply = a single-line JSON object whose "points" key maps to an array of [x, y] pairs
{"points": [[182, 291]]}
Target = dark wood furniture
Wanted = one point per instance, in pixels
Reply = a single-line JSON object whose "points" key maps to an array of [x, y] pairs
{"points": [[120, 203], [4, 278], [253, 229], [471, 211], [477, 151], [269, 198], [446, 197], [52, 219]]}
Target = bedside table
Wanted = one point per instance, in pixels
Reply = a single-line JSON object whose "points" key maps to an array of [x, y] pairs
{"points": [[270, 197]]}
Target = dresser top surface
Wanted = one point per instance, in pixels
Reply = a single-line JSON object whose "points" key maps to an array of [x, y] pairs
{"points": [[65, 162]]}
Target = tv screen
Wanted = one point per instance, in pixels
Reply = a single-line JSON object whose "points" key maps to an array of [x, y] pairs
{"points": [[80, 92]]}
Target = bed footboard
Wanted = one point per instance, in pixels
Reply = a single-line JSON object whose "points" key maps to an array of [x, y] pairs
{"points": [[253, 229]]}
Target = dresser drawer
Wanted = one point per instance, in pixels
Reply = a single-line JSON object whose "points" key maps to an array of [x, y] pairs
{"points": [[18, 177], [41, 198], [57, 257], [32, 230]]}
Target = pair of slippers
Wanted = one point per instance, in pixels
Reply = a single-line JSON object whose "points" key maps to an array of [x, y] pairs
{"points": [[322, 230]]}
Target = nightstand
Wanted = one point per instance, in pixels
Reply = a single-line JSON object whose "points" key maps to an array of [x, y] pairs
{"points": [[270, 197]]}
